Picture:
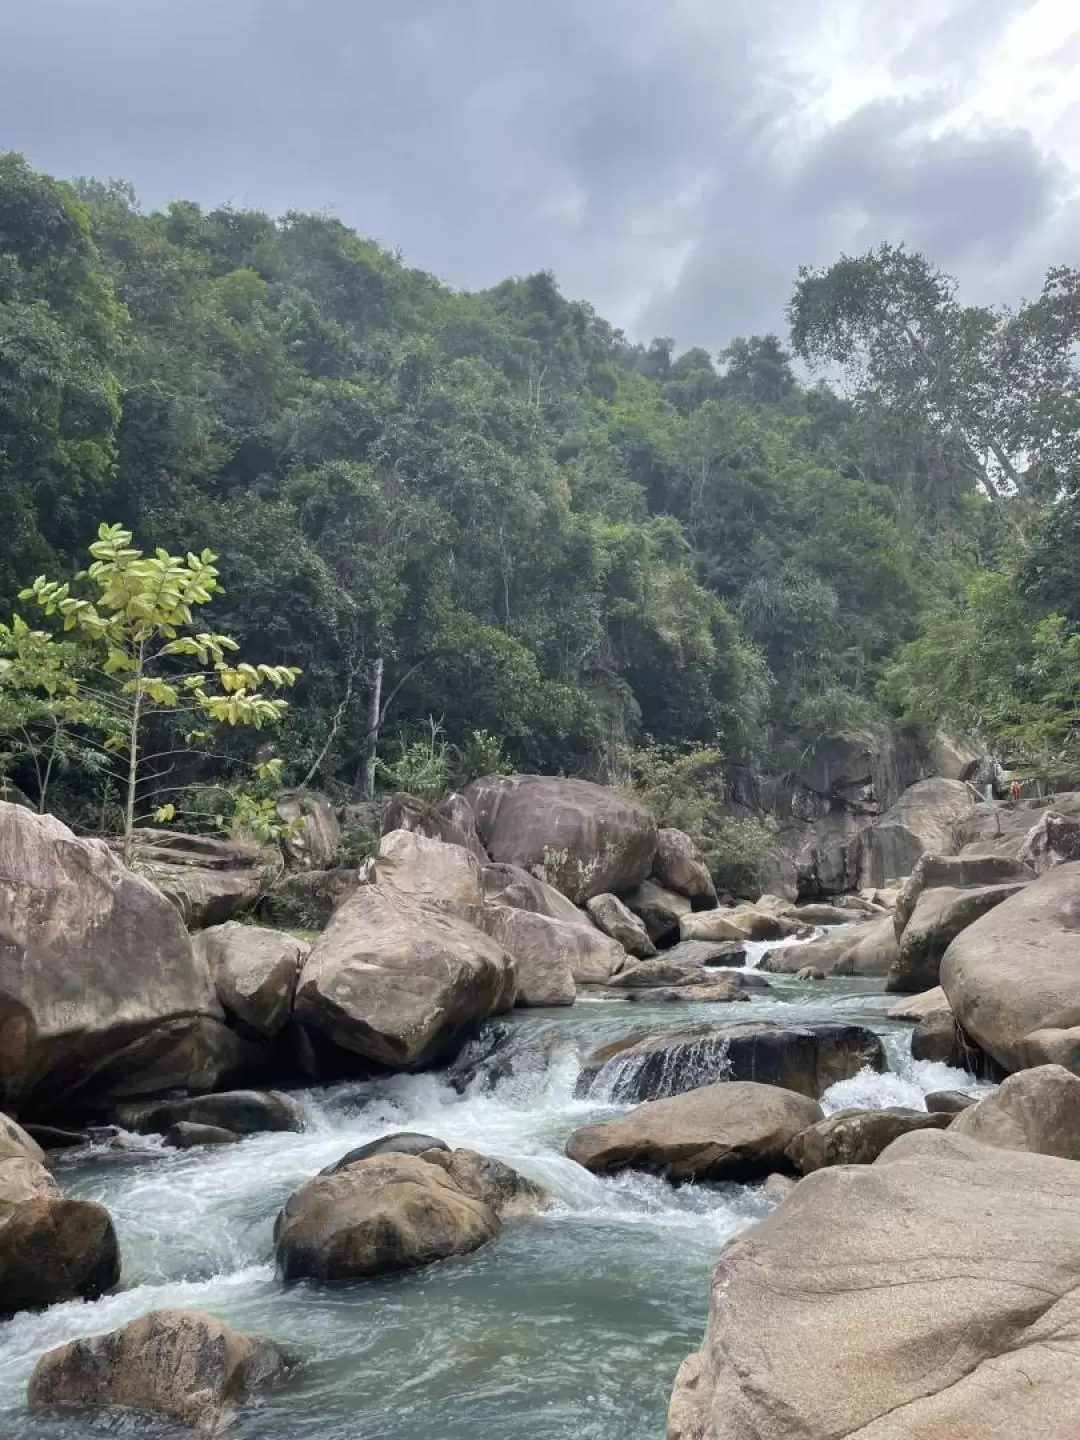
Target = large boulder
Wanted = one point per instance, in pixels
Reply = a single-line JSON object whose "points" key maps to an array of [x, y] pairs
{"points": [[679, 865], [390, 1211], [609, 914], [930, 1295], [1013, 977], [15, 1143], [856, 1137], [452, 821], [806, 1058], [742, 923], [513, 886], [955, 872], [826, 861], [182, 1365], [733, 1131], [400, 984], [100, 988], [312, 839], [659, 910], [866, 948], [1036, 1110], [255, 971], [921, 820], [432, 872], [209, 881], [549, 955], [939, 916], [582, 838], [244, 1112], [51, 1249], [873, 949]]}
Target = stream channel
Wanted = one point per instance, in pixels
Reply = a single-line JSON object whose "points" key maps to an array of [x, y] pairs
{"points": [[570, 1326]]}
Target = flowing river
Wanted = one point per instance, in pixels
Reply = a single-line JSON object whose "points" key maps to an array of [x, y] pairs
{"points": [[569, 1327]]}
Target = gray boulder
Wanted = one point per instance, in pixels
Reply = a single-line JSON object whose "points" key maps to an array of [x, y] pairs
{"points": [[452, 821], [313, 841], [856, 1137], [582, 838], [939, 916], [1035, 1110], [679, 865], [659, 910], [610, 915], [209, 881], [255, 970], [921, 820], [1053, 840]]}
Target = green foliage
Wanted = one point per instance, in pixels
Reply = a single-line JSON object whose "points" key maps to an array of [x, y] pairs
{"points": [[138, 629], [737, 850], [683, 789], [423, 767]]}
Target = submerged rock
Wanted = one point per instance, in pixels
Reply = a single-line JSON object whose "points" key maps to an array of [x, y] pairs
{"points": [[805, 1058], [187, 1135], [183, 1365], [733, 1131], [930, 1294], [244, 1112]]}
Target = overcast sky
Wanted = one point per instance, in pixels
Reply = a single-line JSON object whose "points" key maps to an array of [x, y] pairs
{"points": [[673, 161]]}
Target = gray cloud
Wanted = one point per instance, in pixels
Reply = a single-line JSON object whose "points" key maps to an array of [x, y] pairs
{"points": [[643, 152]]}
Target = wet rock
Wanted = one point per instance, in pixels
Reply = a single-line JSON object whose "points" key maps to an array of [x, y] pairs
{"points": [[810, 972], [187, 1135], [1036, 1110], [679, 865], [313, 841], [255, 970], [182, 1365], [948, 1102], [939, 1288], [733, 1131], [706, 989], [55, 1137], [51, 1249], [610, 915], [245, 1112], [84, 1015], [741, 924], [866, 948], [391, 1212], [582, 838], [402, 1142], [659, 910], [398, 983], [856, 1137], [1012, 977], [805, 1058]]}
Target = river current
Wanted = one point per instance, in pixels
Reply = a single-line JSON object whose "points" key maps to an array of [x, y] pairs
{"points": [[570, 1326]]}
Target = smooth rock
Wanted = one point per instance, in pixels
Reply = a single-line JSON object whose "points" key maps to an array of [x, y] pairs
{"points": [[546, 953], [183, 1365], [939, 916], [513, 886], [187, 1135], [401, 1142], [255, 970], [430, 871], [659, 910], [679, 865], [1014, 974], [921, 820], [778, 1187], [930, 1296], [856, 1137], [742, 924], [245, 1112], [15, 1142], [400, 984], [805, 1058], [1036, 1110], [582, 838], [609, 914], [100, 989], [810, 972], [955, 872], [948, 1102], [731, 1131]]}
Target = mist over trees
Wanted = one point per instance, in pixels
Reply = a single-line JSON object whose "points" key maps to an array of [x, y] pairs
{"points": [[523, 527]]}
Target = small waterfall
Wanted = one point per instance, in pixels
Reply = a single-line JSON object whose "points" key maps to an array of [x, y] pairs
{"points": [[669, 1070]]}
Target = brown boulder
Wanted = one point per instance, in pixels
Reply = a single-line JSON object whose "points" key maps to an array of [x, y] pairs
{"points": [[955, 872], [400, 984], [582, 838], [609, 914], [187, 1135], [679, 865], [743, 923], [930, 1295], [510, 885], [866, 948], [948, 1102], [390, 1212], [732, 1131], [856, 1137], [1036, 1110], [548, 954], [254, 971], [430, 871], [938, 917], [921, 820], [184, 1365], [100, 989], [1013, 977], [805, 1058]]}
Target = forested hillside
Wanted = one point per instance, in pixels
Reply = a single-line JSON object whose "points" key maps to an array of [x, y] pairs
{"points": [[544, 540]]}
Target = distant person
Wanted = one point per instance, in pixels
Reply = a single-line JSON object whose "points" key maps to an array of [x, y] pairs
{"points": [[1014, 791]]}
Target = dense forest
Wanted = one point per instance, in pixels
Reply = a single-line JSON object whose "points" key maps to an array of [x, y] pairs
{"points": [[545, 546]]}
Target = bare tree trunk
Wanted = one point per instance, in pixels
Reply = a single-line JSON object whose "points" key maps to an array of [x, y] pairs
{"points": [[371, 740], [133, 760]]}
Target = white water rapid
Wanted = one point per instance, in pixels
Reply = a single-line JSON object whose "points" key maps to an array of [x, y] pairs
{"points": [[569, 1327]]}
